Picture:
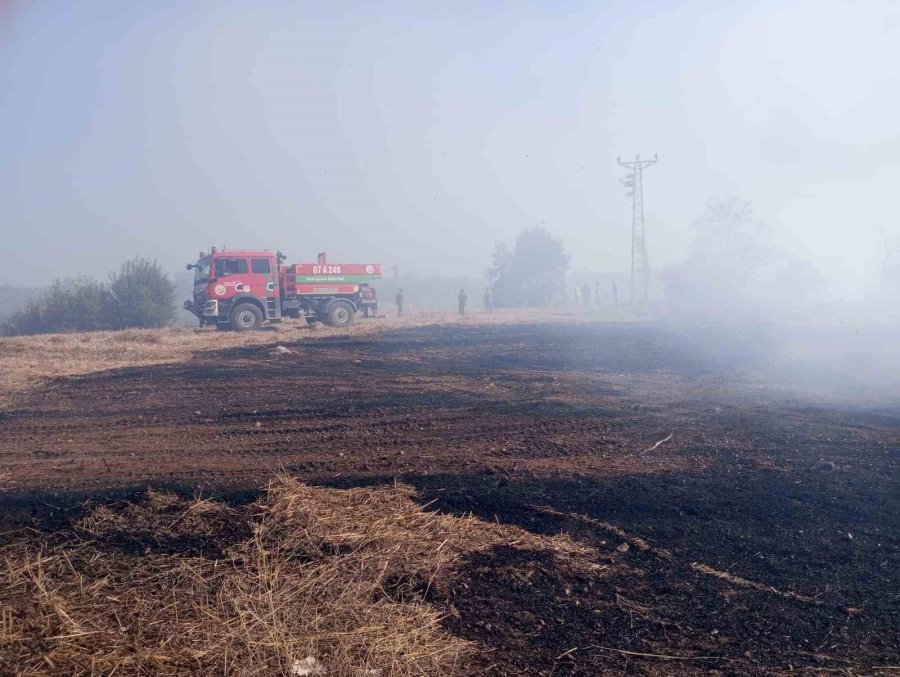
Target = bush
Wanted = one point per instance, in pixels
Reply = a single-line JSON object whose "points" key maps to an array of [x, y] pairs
{"points": [[139, 294], [78, 306]]}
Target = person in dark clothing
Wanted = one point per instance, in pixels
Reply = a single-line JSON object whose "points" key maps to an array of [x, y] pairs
{"points": [[462, 301], [488, 300], [586, 294], [399, 300]]}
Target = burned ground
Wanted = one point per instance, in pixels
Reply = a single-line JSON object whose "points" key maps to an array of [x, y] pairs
{"points": [[762, 536]]}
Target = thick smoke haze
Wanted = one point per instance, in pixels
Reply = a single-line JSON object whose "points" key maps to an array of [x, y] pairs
{"points": [[747, 304], [420, 135]]}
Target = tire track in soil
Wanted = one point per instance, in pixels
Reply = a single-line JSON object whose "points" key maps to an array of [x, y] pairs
{"points": [[490, 420]]}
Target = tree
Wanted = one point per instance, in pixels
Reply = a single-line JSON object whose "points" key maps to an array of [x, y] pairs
{"points": [[78, 305], [141, 295], [532, 273], [733, 269]]}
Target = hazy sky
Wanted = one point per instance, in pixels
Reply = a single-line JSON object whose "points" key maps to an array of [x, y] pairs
{"points": [[418, 135]]}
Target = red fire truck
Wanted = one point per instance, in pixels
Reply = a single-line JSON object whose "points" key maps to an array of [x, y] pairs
{"points": [[241, 289]]}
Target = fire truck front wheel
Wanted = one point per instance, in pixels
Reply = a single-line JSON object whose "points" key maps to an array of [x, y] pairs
{"points": [[246, 317], [340, 314]]}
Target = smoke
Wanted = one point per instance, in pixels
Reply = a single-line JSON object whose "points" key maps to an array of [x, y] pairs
{"points": [[733, 270], [743, 300]]}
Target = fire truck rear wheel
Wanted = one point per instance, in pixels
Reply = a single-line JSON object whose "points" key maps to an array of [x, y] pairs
{"points": [[340, 314], [246, 317]]}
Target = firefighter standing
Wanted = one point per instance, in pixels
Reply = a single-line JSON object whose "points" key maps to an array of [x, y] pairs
{"points": [[462, 301], [488, 300], [399, 300]]}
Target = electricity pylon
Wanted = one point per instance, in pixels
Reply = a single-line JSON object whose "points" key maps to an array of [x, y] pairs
{"points": [[640, 259]]}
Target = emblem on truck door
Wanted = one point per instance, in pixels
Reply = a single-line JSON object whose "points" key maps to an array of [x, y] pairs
{"points": [[220, 289]]}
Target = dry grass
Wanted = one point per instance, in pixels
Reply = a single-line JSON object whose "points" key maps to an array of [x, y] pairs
{"points": [[338, 575], [27, 362]]}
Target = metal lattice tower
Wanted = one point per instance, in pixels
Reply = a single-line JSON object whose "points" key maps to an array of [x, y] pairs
{"points": [[640, 259]]}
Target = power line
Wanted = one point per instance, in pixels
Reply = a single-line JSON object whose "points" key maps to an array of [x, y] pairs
{"points": [[640, 258]]}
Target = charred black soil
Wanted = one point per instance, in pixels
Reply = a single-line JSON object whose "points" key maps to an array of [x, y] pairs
{"points": [[762, 533]]}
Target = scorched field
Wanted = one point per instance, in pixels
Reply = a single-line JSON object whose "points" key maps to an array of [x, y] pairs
{"points": [[468, 497]]}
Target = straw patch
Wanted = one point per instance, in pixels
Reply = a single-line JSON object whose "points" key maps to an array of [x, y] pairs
{"points": [[339, 575]]}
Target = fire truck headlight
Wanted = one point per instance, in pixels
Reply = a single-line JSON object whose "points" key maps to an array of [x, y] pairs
{"points": [[211, 308]]}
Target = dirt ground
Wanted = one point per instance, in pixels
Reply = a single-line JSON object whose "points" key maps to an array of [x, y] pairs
{"points": [[745, 528]]}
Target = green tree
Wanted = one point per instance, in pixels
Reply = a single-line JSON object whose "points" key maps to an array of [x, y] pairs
{"points": [[141, 295], [78, 305], [530, 274]]}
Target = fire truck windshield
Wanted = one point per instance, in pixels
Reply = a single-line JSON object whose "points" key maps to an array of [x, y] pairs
{"points": [[202, 274]]}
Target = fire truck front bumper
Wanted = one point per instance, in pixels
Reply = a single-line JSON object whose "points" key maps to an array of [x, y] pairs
{"points": [[208, 309]]}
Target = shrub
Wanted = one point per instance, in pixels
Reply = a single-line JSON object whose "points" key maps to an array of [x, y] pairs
{"points": [[139, 294], [78, 306]]}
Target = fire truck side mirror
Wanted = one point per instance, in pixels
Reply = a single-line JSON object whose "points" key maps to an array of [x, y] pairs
{"points": [[190, 266]]}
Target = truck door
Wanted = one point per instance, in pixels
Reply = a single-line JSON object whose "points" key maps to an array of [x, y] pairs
{"points": [[263, 283], [229, 277]]}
